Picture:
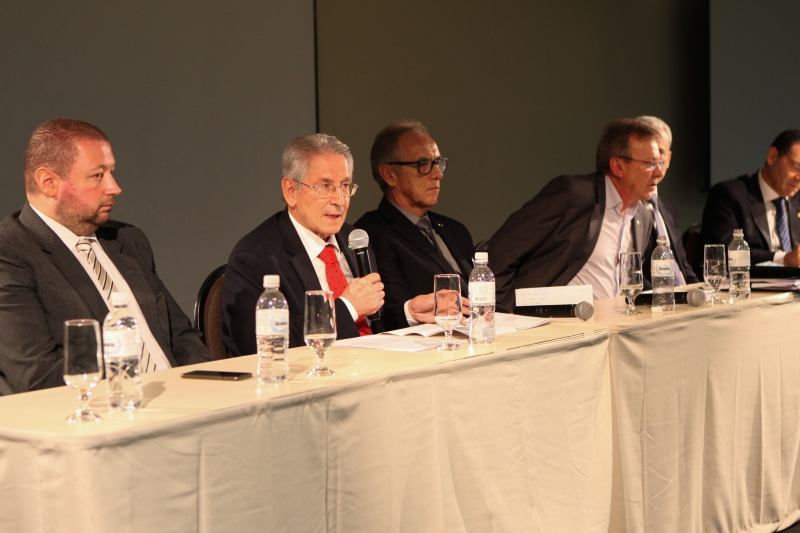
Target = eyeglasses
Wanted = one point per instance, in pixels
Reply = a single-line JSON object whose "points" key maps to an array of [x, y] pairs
{"points": [[651, 165], [326, 190], [425, 166]]}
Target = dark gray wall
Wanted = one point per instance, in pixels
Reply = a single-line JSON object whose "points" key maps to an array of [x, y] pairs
{"points": [[198, 97], [515, 92], [755, 74]]}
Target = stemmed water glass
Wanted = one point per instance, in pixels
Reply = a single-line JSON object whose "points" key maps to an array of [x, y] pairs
{"points": [[714, 271], [319, 328], [447, 306], [630, 279], [83, 364]]}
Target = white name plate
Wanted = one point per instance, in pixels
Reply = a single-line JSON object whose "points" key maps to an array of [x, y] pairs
{"points": [[571, 294]]}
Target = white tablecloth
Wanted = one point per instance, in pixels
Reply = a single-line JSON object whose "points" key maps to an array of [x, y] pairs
{"points": [[707, 416], [516, 440]]}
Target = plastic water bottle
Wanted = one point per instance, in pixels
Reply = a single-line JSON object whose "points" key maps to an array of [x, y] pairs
{"points": [[739, 267], [122, 351], [662, 274], [481, 301], [272, 332]]}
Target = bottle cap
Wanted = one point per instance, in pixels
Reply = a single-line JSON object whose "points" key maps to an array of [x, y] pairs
{"points": [[120, 298], [738, 233], [272, 280], [661, 239], [481, 256]]}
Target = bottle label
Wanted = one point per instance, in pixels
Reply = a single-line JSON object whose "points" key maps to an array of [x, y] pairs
{"points": [[481, 292], [738, 258], [662, 268], [272, 321], [122, 343]]}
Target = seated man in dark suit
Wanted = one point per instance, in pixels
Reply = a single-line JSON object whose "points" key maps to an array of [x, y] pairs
{"points": [[763, 204], [665, 217], [411, 242], [61, 258], [572, 231], [306, 245]]}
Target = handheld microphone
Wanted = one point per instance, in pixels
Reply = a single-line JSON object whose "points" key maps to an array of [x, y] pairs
{"points": [[358, 241], [695, 297], [582, 310]]}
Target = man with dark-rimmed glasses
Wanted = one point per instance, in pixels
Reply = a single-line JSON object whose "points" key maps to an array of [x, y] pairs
{"points": [[411, 242]]}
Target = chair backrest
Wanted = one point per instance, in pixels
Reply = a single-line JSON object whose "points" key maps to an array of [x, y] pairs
{"points": [[208, 312], [694, 252]]}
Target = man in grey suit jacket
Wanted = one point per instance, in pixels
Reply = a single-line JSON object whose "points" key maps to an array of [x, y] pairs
{"points": [[71, 189], [569, 233], [750, 202]]}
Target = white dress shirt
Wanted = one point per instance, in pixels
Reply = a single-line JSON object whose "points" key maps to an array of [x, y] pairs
{"points": [[70, 240], [600, 271], [314, 246], [774, 239]]}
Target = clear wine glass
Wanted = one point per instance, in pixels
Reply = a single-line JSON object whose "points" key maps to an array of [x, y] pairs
{"points": [[714, 270], [630, 279], [447, 307], [83, 364], [319, 328]]}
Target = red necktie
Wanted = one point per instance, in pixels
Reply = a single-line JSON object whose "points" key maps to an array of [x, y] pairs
{"points": [[338, 283]]}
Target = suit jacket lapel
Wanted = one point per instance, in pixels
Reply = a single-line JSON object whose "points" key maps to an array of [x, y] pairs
{"points": [[65, 261], [300, 260], [449, 239], [348, 254], [758, 211], [131, 270], [401, 225], [595, 225]]}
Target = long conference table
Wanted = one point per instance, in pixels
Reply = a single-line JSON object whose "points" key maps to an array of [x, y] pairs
{"points": [[683, 421]]}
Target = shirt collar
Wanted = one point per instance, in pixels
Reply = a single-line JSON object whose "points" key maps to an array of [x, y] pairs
{"points": [[65, 234], [409, 215], [767, 192], [614, 200], [311, 241]]}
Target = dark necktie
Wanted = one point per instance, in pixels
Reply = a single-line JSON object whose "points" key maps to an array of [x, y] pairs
{"points": [[424, 225], [782, 223], [337, 283]]}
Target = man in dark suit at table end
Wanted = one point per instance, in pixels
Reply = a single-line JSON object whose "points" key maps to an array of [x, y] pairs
{"points": [[572, 231], [763, 204], [306, 245], [62, 257], [412, 243], [665, 216]]}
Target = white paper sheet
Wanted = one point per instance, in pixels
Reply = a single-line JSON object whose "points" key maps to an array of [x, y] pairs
{"points": [[391, 342]]}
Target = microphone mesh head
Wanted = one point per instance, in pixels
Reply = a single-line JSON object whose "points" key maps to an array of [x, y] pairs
{"points": [[696, 297], [358, 239], [584, 310]]}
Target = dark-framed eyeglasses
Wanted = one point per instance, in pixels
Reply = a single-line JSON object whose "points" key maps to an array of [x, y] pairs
{"points": [[651, 165], [425, 166], [326, 190]]}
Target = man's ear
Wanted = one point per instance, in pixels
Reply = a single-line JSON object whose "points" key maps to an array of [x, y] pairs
{"points": [[616, 168], [772, 155], [388, 175], [290, 191], [47, 181]]}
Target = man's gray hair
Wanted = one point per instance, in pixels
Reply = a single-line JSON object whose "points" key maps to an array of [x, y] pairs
{"points": [[659, 125], [297, 155]]}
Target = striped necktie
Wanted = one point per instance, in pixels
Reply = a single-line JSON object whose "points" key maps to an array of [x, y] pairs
{"points": [[84, 246], [782, 224]]}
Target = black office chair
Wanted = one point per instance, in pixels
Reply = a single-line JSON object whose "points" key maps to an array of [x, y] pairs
{"points": [[208, 312], [482, 246], [694, 249]]}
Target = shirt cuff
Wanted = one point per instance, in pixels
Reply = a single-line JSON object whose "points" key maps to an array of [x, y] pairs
{"points": [[411, 321], [778, 257], [350, 308]]}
